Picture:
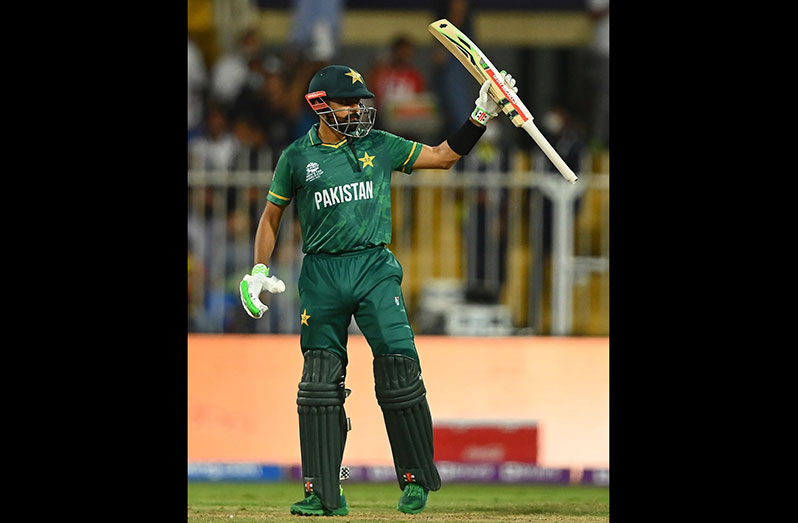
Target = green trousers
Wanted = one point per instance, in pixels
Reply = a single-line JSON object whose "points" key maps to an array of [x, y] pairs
{"points": [[365, 284]]}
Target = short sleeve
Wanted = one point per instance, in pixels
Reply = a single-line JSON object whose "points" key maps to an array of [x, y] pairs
{"points": [[282, 188], [403, 152]]}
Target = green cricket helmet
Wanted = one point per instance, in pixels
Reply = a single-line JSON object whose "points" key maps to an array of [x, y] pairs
{"points": [[342, 84]]}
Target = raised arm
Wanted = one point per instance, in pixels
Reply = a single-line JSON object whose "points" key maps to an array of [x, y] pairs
{"points": [[443, 156], [460, 143]]}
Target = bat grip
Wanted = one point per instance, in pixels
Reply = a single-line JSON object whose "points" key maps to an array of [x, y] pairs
{"points": [[552, 155]]}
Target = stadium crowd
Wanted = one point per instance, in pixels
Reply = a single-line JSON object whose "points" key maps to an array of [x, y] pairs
{"points": [[248, 105]]}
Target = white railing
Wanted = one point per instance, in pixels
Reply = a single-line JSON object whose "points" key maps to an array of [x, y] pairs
{"points": [[472, 233]]}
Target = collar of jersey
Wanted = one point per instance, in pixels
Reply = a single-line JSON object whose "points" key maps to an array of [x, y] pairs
{"points": [[313, 136]]}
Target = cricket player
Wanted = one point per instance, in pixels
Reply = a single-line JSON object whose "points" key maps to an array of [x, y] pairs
{"points": [[339, 175]]}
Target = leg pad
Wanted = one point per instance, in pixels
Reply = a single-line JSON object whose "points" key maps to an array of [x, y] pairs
{"points": [[403, 399], [322, 424]]}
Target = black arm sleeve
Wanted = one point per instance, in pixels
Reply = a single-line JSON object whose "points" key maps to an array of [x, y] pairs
{"points": [[464, 139]]}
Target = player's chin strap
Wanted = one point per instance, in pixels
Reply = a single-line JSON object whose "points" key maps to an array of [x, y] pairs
{"points": [[350, 141]]}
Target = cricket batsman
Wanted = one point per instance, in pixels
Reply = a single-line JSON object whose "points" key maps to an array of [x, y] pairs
{"points": [[339, 174]]}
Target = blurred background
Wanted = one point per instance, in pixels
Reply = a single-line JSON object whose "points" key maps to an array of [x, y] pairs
{"points": [[500, 246], [499, 242]]}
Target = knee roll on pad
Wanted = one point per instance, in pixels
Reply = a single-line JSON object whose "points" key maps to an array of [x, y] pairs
{"points": [[403, 399], [322, 424]]}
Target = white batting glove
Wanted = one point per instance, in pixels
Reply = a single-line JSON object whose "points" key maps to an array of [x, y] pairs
{"points": [[252, 285], [486, 108]]}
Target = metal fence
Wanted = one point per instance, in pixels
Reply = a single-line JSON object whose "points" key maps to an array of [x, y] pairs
{"points": [[488, 248]]}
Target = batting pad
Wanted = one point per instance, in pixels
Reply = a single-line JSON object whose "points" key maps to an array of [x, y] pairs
{"points": [[402, 397], [322, 424]]}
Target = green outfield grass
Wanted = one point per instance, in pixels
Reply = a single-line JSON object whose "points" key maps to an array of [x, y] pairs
{"points": [[217, 502]]}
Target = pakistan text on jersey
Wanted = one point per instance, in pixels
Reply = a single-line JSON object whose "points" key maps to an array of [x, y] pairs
{"points": [[344, 193]]}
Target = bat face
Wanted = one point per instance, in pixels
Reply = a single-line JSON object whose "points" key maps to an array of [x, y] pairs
{"points": [[476, 63]]}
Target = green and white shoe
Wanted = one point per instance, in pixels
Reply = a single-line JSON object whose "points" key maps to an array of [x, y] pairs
{"points": [[311, 506], [414, 499]]}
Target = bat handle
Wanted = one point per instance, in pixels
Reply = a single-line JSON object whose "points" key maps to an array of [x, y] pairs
{"points": [[544, 144]]}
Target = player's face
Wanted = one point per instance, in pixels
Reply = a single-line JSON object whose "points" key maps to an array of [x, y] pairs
{"points": [[349, 117], [346, 109]]}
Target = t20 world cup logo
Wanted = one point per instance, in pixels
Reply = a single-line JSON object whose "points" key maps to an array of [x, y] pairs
{"points": [[313, 171]]}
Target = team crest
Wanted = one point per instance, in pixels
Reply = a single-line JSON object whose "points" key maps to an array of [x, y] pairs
{"points": [[355, 76], [313, 171]]}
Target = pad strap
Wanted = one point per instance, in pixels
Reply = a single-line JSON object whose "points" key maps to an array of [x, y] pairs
{"points": [[322, 424]]}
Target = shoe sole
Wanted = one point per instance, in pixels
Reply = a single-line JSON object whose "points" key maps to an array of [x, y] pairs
{"points": [[407, 510], [312, 512]]}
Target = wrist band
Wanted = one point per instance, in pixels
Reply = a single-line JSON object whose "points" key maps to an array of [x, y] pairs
{"points": [[480, 115], [464, 139]]}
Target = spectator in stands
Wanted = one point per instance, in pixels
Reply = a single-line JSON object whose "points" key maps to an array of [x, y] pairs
{"points": [[563, 133], [217, 148], [401, 93], [314, 39], [251, 113], [453, 84], [263, 119], [397, 78], [315, 31], [559, 128], [279, 115], [232, 72]]}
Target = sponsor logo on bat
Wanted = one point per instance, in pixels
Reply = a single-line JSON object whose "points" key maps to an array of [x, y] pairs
{"points": [[462, 49]]}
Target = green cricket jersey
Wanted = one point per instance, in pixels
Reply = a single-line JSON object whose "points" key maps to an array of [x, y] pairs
{"points": [[341, 209]]}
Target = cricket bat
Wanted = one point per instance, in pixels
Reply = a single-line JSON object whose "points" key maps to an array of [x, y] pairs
{"points": [[476, 63]]}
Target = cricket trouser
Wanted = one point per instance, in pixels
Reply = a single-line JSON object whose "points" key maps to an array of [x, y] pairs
{"points": [[367, 285]]}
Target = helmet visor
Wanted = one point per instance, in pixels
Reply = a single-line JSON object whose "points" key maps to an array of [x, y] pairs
{"points": [[354, 122]]}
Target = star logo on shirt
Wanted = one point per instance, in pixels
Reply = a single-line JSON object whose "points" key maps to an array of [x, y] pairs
{"points": [[305, 317], [367, 159], [355, 76]]}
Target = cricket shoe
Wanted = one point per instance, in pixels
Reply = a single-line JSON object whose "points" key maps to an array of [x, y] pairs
{"points": [[414, 499], [311, 506]]}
